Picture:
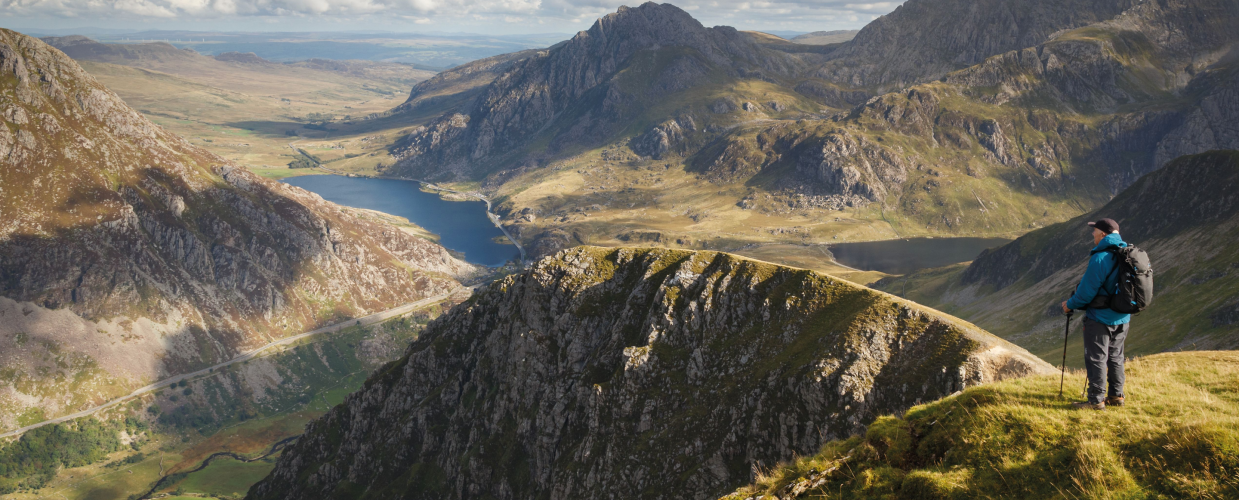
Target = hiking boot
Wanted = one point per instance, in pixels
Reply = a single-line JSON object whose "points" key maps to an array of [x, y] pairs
{"points": [[1085, 405], [1114, 401]]}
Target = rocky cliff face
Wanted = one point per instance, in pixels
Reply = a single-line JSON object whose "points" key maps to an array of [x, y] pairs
{"points": [[462, 83], [159, 256], [620, 373]]}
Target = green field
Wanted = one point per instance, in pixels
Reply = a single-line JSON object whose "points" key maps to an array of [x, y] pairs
{"points": [[226, 477]]}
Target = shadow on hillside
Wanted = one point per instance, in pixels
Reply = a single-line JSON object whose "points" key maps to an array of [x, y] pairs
{"points": [[327, 130]]}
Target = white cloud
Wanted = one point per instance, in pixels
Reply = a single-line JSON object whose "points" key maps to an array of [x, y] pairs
{"points": [[539, 15]]}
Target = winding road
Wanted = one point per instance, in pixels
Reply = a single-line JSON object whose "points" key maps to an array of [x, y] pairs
{"points": [[246, 356]]}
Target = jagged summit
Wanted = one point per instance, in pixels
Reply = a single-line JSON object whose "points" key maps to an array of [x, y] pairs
{"points": [[634, 373], [138, 255]]}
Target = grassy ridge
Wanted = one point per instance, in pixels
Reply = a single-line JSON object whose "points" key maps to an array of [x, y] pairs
{"points": [[1178, 437]]}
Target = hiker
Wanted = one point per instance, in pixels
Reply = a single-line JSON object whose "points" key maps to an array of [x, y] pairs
{"points": [[1105, 329]]}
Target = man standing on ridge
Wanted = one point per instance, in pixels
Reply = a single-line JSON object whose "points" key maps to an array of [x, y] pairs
{"points": [[1105, 330]]}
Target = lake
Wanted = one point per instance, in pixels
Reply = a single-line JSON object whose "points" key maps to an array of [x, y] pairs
{"points": [[462, 226], [903, 256]]}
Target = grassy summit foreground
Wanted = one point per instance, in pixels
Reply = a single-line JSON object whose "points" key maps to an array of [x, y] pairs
{"points": [[1177, 437]]}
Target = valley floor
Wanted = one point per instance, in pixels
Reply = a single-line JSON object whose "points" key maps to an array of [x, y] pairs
{"points": [[172, 449]]}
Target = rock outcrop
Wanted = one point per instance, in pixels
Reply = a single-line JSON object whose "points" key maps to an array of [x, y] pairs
{"points": [[166, 255], [620, 373]]}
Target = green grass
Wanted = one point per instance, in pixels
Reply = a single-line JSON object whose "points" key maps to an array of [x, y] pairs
{"points": [[281, 173], [227, 477], [1178, 437]]}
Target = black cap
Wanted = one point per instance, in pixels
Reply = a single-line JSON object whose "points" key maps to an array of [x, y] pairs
{"points": [[1106, 225]]}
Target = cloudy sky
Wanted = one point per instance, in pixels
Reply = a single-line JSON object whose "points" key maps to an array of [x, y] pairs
{"points": [[475, 16]]}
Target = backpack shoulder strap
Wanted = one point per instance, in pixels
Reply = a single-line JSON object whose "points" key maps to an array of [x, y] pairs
{"points": [[1117, 253]]}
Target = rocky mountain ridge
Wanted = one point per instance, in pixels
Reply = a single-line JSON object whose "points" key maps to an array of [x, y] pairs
{"points": [[1020, 115], [533, 96], [150, 256], [604, 373], [923, 40], [537, 92]]}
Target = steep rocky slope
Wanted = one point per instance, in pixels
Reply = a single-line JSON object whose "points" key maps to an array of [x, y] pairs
{"points": [[146, 256], [622, 373], [457, 86], [1186, 216], [922, 40]]}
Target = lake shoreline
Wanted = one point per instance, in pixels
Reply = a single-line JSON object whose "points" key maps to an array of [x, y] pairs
{"points": [[483, 242]]}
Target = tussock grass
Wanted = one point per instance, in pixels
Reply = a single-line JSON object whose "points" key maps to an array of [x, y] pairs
{"points": [[1177, 437]]}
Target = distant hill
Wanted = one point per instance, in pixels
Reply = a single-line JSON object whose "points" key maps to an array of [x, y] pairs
{"points": [[431, 50], [825, 37], [164, 57], [659, 374]]}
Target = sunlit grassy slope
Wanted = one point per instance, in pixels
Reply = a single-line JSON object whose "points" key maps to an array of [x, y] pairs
{"points": [[1177, 437]]}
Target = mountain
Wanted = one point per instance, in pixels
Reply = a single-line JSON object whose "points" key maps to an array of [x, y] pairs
{"points": [[645, 373], [572, 92], [461, 83], [1185, 215], [128, 254], [1018, 439], [922, 40], [1004, 133]]}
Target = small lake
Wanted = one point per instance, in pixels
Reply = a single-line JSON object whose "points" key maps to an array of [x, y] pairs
{"points": [[462, 226], [904, 256]]}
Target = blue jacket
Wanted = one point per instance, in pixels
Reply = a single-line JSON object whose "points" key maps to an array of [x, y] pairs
{"points": [[1101, 266]]}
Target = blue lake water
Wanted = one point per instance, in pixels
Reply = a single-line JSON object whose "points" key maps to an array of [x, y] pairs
{"points": [[462, 226], [903, 256]]}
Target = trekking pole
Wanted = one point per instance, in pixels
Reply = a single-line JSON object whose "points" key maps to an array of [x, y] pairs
{"points": [[1066, 332]]}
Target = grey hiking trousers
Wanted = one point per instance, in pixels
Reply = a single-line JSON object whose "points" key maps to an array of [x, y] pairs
{"points": [[1103, 359]]}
